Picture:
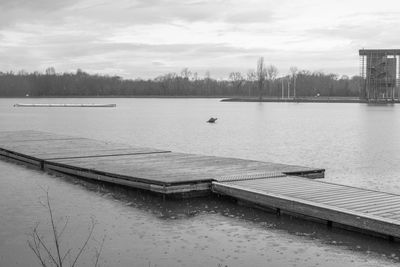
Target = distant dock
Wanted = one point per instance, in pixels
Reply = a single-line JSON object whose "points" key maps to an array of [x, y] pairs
{"points": [[283, 188], [66, 105], [312, 100]]}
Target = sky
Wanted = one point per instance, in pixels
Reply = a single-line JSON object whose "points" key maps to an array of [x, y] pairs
{"points": [[148, 38]]}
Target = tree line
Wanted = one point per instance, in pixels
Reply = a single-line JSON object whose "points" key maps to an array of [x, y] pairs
{"points": [[262, 82]]}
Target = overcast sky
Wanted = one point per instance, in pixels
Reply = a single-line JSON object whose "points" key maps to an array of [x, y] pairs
{"points": [[148, 38]]}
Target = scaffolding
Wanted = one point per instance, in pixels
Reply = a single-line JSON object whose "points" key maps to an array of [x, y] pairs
{"points": [[379, 69]]}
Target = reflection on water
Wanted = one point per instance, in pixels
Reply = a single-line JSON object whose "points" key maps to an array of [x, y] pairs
{"points": [[356, 143], [146, 230]]}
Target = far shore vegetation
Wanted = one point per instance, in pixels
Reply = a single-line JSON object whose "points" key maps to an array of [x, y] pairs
{"points": [[265, 81]]}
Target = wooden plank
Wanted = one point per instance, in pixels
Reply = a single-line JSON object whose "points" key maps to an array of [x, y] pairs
{"points": [[300, 206], [353, 203], [178, 189], [26, 160], [393, 211], [146, 174], [172, 163], [355, 195], [349, 191], [360, 205], [389, 215], [331, 189], [127, 162], [307, 189], [288, 184], [384, 209], [378, 207], [348, 199], [341, 194], [28, 135], [338, 198], [74, 148], [397, 217], [249, 176], [18, 159]]}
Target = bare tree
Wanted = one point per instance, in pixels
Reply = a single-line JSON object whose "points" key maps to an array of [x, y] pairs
{"points": [[195, 76], [293, 71], [22, 72], [50, 71], [260, 76], [271, 74], [52, 254], [207, 75], [306, 83], [186, 73], [207, 79], [251, 77], [237, 80]]}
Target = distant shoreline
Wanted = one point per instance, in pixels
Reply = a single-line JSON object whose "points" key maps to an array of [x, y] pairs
{"points": [[229, 99], [311, 100], [113, 96]]}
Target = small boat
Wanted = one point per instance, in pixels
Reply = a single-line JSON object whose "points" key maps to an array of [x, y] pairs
{"points": [[212, 120]]}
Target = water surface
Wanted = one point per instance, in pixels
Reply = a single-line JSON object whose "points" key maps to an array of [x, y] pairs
{"points": [[358, 145]]}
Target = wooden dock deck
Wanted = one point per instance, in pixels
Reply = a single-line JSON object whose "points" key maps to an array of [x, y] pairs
{"points": [[286, 188], [370, 210], [146, 168]]}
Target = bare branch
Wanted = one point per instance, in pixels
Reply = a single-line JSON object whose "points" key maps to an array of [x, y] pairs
{"points": [[41, 242], [36, 249], [66, 254], [84, 244], [272, 72], [98, 252], [46, 255], [55, 235], [63, 229]]}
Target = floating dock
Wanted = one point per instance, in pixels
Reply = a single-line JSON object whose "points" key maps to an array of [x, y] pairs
{"points": [[284, 188], [373, 211], [65, 105], [152, 169]]}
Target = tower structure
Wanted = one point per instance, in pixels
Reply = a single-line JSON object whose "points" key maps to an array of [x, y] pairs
{"points": [[379, 69]]}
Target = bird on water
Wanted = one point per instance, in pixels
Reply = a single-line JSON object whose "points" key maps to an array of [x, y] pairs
{"points": [[212, 120]]}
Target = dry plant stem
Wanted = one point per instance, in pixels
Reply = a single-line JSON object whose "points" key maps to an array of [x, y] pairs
{"points": [[55, 234], [42, 250], [84, 244], [98, 252]]}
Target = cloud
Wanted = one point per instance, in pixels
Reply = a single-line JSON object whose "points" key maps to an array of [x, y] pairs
{"points": [[150, 37], [251, 16], [25, 11], [35, 5]]}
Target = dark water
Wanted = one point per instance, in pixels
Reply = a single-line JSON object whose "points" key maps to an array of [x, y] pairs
{"points": [[358, 145]]}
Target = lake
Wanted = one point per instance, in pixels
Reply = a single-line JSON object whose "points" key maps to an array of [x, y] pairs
{"points": [[357, 144]]}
